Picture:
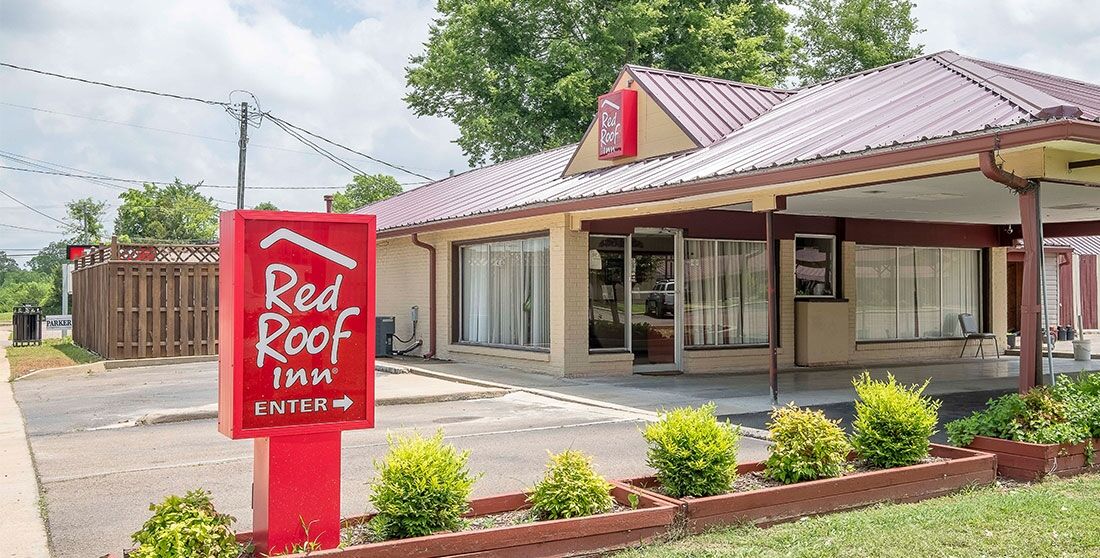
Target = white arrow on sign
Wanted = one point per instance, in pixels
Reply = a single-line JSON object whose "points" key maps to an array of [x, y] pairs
{"points": [[344, 403]]}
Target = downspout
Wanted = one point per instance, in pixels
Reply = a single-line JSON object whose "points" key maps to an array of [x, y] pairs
{"points": [[431, 292], [988, 164]]}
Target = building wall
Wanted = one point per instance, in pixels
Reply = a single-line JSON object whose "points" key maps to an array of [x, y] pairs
{"points": [[403, 282]]}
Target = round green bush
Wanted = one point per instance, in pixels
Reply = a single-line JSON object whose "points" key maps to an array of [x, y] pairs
{"points": [[570, 488], [187, 526], [422, 487], [893, 422], [693, 453], [805, 446]]}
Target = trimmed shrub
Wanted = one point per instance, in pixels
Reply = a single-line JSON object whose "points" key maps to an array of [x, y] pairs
{"points": [[693, 453], [187, 526], [893, 422], [1041, 417], [570, 488], [805, 446], [422, 487]]}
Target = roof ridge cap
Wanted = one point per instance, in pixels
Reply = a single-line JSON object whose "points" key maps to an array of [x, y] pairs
{"points": [[1035, 102], [873, 70], [633, 67], [983, 62]]}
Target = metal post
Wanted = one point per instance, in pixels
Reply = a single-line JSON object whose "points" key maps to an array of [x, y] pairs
{"points": [[1030, 355], [65, 272], [1043, 284], [773, 326], [328, 203], [243, 142]]}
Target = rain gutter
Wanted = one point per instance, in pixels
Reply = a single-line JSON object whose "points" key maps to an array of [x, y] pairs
{"points": [[432, 309]]}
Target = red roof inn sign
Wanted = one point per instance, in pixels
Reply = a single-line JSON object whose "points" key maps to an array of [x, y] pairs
{"points": [[296, 358], [617, 122]]}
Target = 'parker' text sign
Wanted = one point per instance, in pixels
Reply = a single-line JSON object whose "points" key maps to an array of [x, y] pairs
{"points": [[296, 350]]}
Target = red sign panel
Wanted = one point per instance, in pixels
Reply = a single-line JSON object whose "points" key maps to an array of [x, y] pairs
{"points": [[75, 251], [296, 323], [617, 124]]}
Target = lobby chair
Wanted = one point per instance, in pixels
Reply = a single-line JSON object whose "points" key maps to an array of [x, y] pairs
{"points": [[970, 331]]}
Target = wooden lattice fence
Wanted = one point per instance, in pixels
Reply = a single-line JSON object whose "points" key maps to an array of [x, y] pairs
{"points": [[144, 301]]}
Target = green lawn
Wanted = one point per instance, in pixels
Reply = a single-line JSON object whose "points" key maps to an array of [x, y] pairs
{"points": [[1056, 518], [5, 318], [50, 354]]}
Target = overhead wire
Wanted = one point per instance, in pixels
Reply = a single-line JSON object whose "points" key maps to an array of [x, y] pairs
{"points": [[42, 213], [31, 229], [114, 86]]}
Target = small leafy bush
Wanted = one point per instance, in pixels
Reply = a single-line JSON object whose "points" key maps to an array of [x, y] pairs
{"points": [[893, 422], [1082, 401], [422, 487], [805, 446], [693, 453], [570, 488], [187, 526], [1042, 416]]}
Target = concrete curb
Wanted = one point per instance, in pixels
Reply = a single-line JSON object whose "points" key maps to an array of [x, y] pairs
{"points": [[25, 531], [404, 369], [105, 365]]}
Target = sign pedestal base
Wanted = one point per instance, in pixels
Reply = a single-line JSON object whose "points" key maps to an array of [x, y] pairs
{"points": [[296, 492]]}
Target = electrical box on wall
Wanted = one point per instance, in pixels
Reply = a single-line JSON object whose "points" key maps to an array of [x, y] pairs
{"points": [[384, 327]]}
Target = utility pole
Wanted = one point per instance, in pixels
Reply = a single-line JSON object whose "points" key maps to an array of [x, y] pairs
{"points": [[243, 143]]}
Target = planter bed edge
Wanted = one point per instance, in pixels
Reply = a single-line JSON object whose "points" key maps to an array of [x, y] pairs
{"points": [[1025, 461], [765, 506]]}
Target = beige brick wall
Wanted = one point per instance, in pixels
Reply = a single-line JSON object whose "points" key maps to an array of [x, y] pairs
{"points": [[403, 282]]}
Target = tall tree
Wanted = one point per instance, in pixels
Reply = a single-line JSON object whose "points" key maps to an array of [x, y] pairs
{"points": [[847, 36], [364, 189], [85, 220], [175, 212], [49, 258], [7, 263], [266, 206], [520, 77]]}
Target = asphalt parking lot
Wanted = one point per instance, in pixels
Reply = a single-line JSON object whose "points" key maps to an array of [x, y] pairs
{"points": [[100, 472]]}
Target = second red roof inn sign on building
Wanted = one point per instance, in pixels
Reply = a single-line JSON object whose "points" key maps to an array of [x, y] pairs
{"points": [[296, 365]]}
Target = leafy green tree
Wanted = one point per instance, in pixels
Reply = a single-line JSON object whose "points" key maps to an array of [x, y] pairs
{"points": [[49, 258], [29, 292], [520, 77], [85, 220], [175, 212], [847, 36], [7, 264], [266, 206], [364, 189]]}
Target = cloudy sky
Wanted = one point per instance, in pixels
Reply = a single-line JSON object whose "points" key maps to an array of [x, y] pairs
{"points": [[335, 68]]}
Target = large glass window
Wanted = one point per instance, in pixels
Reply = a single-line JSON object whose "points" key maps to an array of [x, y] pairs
{"points": [[607, 297], [915, 293], [725, 293], [814, 265], [505, 290]]}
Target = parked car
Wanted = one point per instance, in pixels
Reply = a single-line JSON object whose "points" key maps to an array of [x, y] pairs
{"points": [[662, 302]]}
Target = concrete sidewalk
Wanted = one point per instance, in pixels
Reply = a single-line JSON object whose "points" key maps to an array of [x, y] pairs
{"points": [[24, 532], [741, 394]]}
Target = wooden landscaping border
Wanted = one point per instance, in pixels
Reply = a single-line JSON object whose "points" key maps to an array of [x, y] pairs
{"points": [[563, 537], [765, 506], [1030, 462]]}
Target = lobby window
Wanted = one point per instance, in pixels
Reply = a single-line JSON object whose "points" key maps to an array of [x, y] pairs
{"points": [[814, 265], [505, 292], [725, 293], [915, 293], [607, 296]]}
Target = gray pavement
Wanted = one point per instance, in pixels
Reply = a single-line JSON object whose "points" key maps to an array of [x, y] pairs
{"points": [[748, 393], [99, 478]]}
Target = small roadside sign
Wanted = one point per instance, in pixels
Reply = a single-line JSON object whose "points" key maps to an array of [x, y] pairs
{"points": [[59, 321]]}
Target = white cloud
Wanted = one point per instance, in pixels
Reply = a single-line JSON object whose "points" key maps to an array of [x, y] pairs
{"points": [[336, 69], [345, 82]]}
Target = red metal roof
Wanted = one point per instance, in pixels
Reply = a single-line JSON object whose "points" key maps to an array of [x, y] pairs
{"points": [[906, 103], [707, 109], [1079, 244], [1085, 96]]}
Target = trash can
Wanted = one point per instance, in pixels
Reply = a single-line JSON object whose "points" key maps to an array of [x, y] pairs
{"points": [[26, 325], [1082, 350]]}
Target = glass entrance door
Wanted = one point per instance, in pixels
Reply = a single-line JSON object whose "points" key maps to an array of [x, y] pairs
{"points": [[655, 302]]}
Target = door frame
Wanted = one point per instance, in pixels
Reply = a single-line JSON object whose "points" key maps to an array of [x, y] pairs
{"points": [[678, 295]]}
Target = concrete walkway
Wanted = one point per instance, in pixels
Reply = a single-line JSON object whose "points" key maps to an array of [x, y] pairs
{"points": [[739, 394], [24, 532]]}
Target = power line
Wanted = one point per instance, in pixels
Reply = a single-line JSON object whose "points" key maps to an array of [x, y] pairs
{"points": [[320, 150], [113, 86], [346, 148], [46, 215], [163, 183], [30, 229]]}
